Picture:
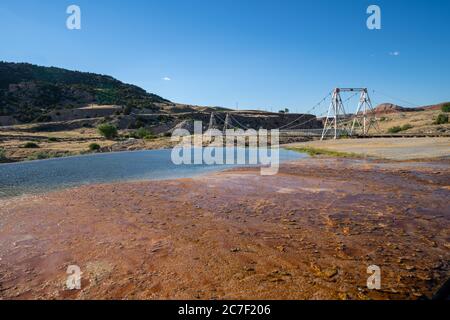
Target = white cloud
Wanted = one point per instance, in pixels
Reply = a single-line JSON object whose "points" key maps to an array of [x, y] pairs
{"points": [[166, 79], [394, 53]]}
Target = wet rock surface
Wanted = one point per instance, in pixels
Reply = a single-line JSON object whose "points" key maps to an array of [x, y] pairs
{"points": [[309, 232]]}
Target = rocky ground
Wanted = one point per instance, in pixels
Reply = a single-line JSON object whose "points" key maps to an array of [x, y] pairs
{"points": [[309, 232]]}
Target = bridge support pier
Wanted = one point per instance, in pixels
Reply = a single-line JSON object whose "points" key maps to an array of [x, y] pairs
{"points": [[337, 118], [336, 108]]}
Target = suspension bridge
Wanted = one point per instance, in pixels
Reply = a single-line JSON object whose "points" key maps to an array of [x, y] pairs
{"points": [[332, 110]]}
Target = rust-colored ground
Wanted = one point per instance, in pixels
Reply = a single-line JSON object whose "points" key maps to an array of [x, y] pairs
{"points": [[308, 233]]}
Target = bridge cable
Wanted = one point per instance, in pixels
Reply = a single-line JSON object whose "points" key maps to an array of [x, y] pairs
{"points": [[307, 112], [401, 100], [231, 124], [240, 124], [312, 119]]}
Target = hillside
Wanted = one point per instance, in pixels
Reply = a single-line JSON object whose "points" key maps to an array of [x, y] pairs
{"points": [[29, 92], [389, 108], [386, 108]]}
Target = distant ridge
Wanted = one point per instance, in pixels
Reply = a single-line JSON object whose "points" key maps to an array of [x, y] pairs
{"points": [[386, 108], [28, 92]]}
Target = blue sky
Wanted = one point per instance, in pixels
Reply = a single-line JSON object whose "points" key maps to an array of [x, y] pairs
{"points": [[263, 54]]}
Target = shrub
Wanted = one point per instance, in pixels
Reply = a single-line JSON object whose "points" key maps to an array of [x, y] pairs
{"points": [[40, 156], [441, 119], [446, 107], [395, 129], [407, 127], [44, 118], [344, 135], [139, 124], [2, 155], [108, 131], [30, 145], [143, 133], [52, 139], [398, 129], [127, 110], [94, 147], [164, 118]]}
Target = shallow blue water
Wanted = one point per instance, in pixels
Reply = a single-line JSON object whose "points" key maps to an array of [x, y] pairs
{"points": [[47, 175]]}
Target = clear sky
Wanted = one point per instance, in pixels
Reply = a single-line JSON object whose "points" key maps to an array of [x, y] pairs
{"points": [[263, 54]]}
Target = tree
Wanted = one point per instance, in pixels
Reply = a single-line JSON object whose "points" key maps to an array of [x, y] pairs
{"points": [[94, 147], [107, 130], [127, 110]]}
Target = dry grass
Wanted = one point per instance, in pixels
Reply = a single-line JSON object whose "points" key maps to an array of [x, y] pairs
{"points": [[421, 122], [62, 143], [14, 151]]}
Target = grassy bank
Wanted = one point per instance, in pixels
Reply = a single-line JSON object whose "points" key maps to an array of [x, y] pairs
{"points": [[324, 152]]}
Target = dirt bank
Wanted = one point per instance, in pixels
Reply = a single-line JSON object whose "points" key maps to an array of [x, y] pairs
{"points": [[308, 233]]}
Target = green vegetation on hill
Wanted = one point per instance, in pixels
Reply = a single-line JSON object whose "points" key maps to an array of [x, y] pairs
{"points": [[2, 155], [30, 145], [441, 119], [28, 92], [398, 129], [107, 130], [143, 133], [94, 147]]}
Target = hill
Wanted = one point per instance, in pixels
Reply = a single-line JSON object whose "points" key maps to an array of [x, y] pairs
{"points": [[29, 92], [389, 108], [386, 108]]}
